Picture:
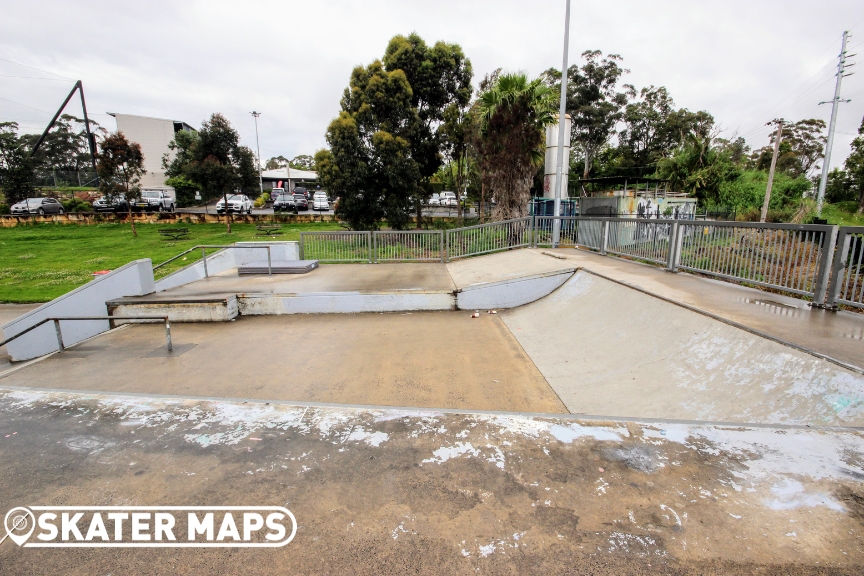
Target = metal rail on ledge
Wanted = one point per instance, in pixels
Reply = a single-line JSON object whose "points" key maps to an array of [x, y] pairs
{"points": [[109, 318], [204, 247]]}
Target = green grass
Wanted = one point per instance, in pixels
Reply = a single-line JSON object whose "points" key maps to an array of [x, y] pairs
{"points": [[843, 214], [43, 261]]}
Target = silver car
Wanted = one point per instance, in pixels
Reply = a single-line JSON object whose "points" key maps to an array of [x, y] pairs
{"points": [[37, 206]]}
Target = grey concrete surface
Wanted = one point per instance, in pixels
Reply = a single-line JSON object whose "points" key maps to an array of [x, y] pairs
{"points": [[133, 278], [9, 312], [394, 492], [836, 334], [503, 266], [607, 349], [427, 359], [326, 278]]}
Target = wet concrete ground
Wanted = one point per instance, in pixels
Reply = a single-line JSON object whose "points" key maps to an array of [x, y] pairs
{"points": [[390, 492], [427, 359]]}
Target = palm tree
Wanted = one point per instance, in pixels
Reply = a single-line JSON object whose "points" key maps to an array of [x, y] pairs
{"points": [[513, 114]]}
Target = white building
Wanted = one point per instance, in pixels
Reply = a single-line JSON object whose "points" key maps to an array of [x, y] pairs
{"points": [[154, 135], [286, 177]]}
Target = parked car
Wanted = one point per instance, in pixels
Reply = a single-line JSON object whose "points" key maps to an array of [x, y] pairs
{"points": [[320, 202], [301, 190], [275, 193], [448, 199], [301, 201], [37, 206], [435, 199], [119, 204], [238, 203], [284, 203], [154, 201]]}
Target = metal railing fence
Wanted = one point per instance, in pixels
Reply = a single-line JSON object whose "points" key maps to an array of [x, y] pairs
{"points": [[847, 271], [220, 247], [487, 238], [790, 257], [795, 258], [338, 246], [408, 245], [642, 239], [571, 226]]}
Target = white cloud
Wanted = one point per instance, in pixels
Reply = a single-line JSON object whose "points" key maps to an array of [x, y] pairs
{"points": [[291, 60]]}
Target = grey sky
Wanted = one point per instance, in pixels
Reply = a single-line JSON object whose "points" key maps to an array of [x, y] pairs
{"points": [[746, 62]]}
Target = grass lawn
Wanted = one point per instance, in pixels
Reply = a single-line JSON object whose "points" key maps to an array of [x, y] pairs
{"points": [[40, 262], [843, 214]]}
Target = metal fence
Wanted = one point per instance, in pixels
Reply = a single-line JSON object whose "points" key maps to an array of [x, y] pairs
{"points": [[568, 234], [336, 246], [637, 238], [408, 245], [487, 238], [790, 257], [847, 272], [795, 258]]}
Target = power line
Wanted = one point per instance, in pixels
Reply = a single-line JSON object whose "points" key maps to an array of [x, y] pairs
{"points": [[39, 69], [25, 105], [765, 103], [804, 85], [36, 78]]}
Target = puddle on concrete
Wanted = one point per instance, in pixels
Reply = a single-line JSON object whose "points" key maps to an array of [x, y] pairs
{"points": [[773, 307]]}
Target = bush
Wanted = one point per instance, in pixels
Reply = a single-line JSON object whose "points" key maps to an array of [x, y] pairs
{"points": [[262, 200], [747, 192], [76, 205], [4, 209]]}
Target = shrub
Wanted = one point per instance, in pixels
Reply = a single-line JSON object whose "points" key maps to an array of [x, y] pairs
{"points": [[747, 192], [4, 209]]}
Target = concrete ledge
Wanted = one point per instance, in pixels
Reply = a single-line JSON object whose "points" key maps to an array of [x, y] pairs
{"points": [[212, 309], [511, 293], [133, 279], [346, 302]]}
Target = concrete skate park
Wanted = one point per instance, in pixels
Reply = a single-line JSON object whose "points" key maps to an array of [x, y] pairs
{"points": [[511, 411]]}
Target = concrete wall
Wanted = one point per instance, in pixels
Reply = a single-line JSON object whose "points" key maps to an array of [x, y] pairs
{"points": [[346, 302], [230, 258], [511, 293], [133, 279]]}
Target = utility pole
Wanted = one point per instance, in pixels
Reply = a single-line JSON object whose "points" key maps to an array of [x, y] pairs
{"points": [[258, 145], [823, 180], [773, 166], [562, 109]]}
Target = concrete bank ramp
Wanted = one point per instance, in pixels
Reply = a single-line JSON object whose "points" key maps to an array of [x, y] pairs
{"points": [[607, 349]]}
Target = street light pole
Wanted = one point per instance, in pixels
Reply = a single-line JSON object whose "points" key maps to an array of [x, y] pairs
{"points": [[559, 169], [258, 145]]}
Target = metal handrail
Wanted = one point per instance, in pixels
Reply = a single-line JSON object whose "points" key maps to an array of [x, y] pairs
{"points": [[203, 248], [109, 318]]}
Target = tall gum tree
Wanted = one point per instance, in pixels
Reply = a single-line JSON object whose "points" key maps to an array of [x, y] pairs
{"points": [[370, 165], [594, 101], [440, 80]]}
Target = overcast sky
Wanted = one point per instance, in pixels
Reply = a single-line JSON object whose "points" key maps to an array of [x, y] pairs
{"points": [[745, 62]]}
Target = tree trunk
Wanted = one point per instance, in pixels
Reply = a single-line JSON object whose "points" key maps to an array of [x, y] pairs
{"points": [[482, 200], [587, 170], [460, 217], [861, 200], [131, 219], [129, 207]]}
